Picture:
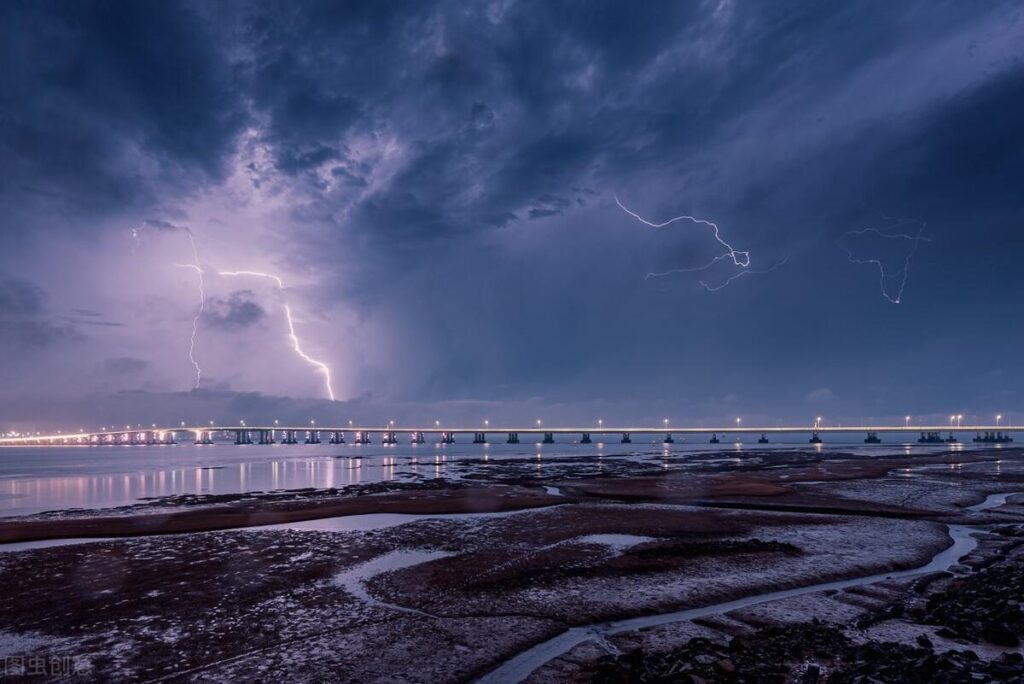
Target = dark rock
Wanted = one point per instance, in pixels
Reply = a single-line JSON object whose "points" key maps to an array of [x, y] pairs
{"points": [[811, 674], [1000, 635]]}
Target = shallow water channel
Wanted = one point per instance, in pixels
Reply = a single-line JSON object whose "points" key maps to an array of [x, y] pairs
{"points": [[521, 666]]}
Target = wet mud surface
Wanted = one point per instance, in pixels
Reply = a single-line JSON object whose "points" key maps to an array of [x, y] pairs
{"points": [[439, 595]]}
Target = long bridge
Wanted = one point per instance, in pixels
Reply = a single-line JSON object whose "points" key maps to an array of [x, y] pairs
{"points": [[390, 434]]}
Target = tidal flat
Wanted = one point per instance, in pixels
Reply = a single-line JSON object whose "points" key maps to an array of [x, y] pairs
{"points": [[799, 565]]}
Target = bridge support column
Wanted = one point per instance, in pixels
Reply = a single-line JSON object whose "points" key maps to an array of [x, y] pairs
{"points": [[151, 437], [362, 438], [815, 438], [417, 438], [337, 437], [289, 437], [389, 438], [668, 439], [952, 438], [626, 439], [585, 438], [714, 439], [204, 437], [479, 438], [312, 436], [872, 438], [266, 437], [763, 440], [549, 438], [513, 438], [447, 438], [242, 437]]}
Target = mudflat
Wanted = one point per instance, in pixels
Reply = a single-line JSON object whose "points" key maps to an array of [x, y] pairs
{"points": [[475, 573]]}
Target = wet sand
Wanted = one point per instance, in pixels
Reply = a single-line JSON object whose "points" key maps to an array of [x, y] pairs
{"points": [[436, 598]]}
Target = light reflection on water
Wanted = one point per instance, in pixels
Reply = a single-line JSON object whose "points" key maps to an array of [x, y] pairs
{"points": [[34, 479]]}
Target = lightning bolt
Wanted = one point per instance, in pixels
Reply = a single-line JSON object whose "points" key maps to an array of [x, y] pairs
{"points": [[320, 365], [716, 288], [195, 266], [889, 235], [195, 322], [739, 258]]}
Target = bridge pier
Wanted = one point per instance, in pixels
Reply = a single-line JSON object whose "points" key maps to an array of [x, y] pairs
{"points": [[204, 437], [389, 438], [289, 437], [930, 438], [585, 438], [815, 438], [993, 438], [626, 439], [513, 438], [872, 438], [549, 438], [417, 438], [337, 437], [479, 438], [951, 439], [714, 439], [668, 439], [242, 437], [363, 438], [266, 437], [763, 440]]}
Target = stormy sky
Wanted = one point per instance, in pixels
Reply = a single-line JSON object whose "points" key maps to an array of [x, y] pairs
{"points": [[437, 187]]}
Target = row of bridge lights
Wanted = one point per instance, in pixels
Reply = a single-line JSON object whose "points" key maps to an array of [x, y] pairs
{"points": [[954, 421], [956, 418]]}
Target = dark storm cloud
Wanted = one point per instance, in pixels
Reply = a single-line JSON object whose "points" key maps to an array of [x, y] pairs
{"points": [[442, 159], [24, 322], [238, 311], [93, 88]]}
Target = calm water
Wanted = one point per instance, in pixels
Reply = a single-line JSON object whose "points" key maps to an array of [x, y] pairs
{"points": [[34, 479]]}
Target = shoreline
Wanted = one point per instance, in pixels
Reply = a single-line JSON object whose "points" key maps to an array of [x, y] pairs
{"points": [[481, 499]]}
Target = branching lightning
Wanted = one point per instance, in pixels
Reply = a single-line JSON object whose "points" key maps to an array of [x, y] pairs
{"points": [[739, 258], [889, 234], [716, 288], [320, 366], [195, 266]]}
